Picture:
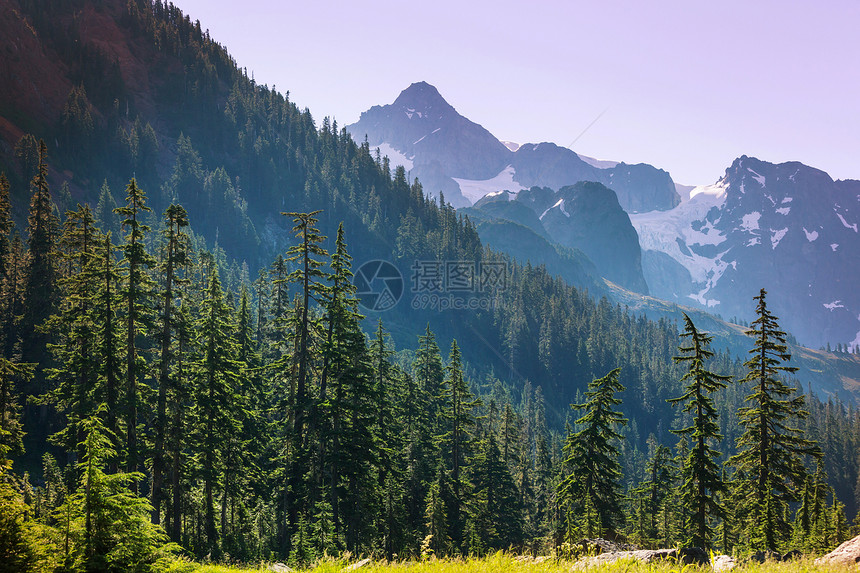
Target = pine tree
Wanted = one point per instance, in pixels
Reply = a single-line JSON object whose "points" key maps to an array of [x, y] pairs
{"points": [[216, 373], [438, 540], [494, 511], [770, 450], [700, 474], [76, 355], [40, 276], [590, 485], [309, 277], [11, 432], [111, 518], [654, 489], [137, 293], [106, 303], [12, 299], [174, 258], [458, 419], [6, 224], [105, 214]]}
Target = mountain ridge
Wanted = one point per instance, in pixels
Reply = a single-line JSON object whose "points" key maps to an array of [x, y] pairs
{"points": [[453, 153], [767, 225]]}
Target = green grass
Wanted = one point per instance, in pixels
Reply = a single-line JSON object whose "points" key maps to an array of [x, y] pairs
{"points": [[502, 562]]}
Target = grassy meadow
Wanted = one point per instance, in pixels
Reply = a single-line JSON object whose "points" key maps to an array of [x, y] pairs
{"points": [[513, 564]]}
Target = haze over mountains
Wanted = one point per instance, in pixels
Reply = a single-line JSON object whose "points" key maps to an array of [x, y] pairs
{"points": [[458, 157], [789, 227]]}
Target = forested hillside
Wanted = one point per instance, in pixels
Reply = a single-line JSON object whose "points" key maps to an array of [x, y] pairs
{"points": [[185, 358]]}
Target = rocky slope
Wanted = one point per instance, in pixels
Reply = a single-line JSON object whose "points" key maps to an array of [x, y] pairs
{"points": [[588, 217]]}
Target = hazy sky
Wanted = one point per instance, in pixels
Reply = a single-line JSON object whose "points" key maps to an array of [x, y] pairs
{"points": [[687, 85]]}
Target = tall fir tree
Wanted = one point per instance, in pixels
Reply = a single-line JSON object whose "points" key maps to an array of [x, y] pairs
{"points": [[458, 420], [308, 256], [6, 223], [174, 258], [12, 374], [106, 321], [137, 294], [217, 374], [771, 449], [590, 488], [40, 278], [701, 476], [76, 388]]}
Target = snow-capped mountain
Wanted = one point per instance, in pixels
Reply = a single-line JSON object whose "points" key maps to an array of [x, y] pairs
{"points": [[455, 156], [788, 228]]}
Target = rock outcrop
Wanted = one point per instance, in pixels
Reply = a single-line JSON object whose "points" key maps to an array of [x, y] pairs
{"points": [[846, 554]]}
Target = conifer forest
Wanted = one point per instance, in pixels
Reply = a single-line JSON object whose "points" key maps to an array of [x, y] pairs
{"points": [[186, 367]]}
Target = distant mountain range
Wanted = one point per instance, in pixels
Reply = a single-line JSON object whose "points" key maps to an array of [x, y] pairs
{"points": [[455, 156], [788, 228]]}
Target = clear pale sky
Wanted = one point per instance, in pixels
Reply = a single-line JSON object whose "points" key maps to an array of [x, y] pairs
{"points": [[687, 85]]}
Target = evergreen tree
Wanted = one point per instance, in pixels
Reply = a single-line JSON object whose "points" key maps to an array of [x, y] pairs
{"points": [[458, 419], [309, 277], [590, 487], [770, 450], [11, 431], [700, 474], [6, 224], [106, 218], [494, 511], [40, 276], [76, 355], [111, 519], [437, 541], [12, 299], [137, 293], [174, 258], [216, 373], [652, 492], [106, 303]]}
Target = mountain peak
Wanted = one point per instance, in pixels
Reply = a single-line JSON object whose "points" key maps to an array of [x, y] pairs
{"points": [[422, 99]]}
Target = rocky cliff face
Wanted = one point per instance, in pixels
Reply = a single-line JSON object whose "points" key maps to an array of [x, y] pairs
{"points": [[588, 217]]}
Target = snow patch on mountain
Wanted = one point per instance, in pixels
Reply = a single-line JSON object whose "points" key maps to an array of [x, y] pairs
{"points": [[715, 273], [834, 246], [560, 205], [776, 237], [845, 223], [666, 231], [509, 195], [784, 210], [473, 189], [834, 305], [749, 222], [760, 178], [810, 235], [395, 157], [599, 163]]}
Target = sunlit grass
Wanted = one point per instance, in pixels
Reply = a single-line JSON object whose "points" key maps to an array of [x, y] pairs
{"points": [[507, 563]]}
